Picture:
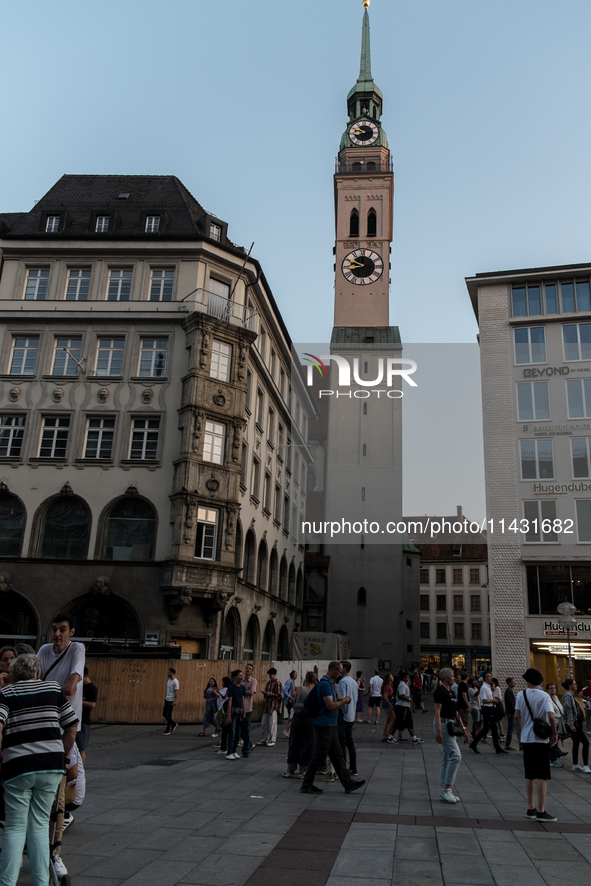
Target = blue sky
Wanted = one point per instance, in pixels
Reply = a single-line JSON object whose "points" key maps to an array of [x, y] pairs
{"points": [[485, 107], [486, 110]]}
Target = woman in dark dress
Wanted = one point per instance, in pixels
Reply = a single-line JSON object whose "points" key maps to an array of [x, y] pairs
{"points": [[360, 692], [301, 734]]}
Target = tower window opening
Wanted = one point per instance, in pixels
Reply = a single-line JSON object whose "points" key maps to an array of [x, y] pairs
{"points": [[357, 167], [354, 224], [372, 223], [364, 449], [370, 166], [365, 408], [363, 493], [362, 597]]}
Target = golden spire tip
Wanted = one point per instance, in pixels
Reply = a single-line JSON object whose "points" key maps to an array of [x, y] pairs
{"points": [[366, 4]]}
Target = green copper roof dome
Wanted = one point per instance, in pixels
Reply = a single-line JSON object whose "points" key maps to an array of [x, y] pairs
{"points": [[365, 80], [365, 99]]}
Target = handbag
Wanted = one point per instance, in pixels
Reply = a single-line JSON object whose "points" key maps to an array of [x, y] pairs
{"points": [[455, 729], [498, 712], [541, 728]]}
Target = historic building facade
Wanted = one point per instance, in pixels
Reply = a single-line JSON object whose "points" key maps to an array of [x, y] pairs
{"points": [[535, 329], [148, 425], [372, 592]]}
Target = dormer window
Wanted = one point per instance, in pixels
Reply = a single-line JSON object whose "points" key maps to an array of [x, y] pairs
{"points": [[215, 232], [102, 224], [123, 196], [152, 224], [52, 224]]}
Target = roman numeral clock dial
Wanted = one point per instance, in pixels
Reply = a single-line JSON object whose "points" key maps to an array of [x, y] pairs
{"points": [[362, 267]]}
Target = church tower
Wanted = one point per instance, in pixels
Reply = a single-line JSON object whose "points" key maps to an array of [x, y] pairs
{"points": [[364, 194], [373, 587]]}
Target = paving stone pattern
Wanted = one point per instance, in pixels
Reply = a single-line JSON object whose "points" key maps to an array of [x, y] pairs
{"points": [[206, 821]]}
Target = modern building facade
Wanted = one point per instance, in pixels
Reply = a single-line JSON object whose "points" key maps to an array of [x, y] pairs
{"points": [[535, 329], [373, 588], [152, 441], [454, 600]]}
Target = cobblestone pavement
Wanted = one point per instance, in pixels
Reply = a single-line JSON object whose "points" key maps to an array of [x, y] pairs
{"points": [[163, 810]]}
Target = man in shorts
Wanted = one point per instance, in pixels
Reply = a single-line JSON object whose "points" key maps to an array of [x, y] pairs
{"points": [[375, 696], [535, 704]]}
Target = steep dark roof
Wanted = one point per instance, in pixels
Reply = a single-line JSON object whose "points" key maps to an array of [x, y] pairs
{"points": [[81, 195], [9, 220]]}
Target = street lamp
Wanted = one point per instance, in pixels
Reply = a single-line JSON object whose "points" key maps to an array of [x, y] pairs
{"points": [[566, 612]]}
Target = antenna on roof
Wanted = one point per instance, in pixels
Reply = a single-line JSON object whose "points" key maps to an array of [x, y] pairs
{"points": [[241, 269]]}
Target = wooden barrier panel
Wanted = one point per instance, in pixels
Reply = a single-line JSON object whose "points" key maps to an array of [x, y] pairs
{"points": [[133, 690]]}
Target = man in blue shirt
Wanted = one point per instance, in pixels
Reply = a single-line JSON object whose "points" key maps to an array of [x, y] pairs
{"points": [[326, 739]]}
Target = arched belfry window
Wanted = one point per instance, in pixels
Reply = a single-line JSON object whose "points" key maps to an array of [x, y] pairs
{"points": [[354, 224], [363, 493], [365, 408], [130, 531], [357, 166], [372, 223], [65, 529], [362, 597]]}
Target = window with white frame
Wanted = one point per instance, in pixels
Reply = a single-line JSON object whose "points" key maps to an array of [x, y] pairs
{"points": [[100, 433], [583, 508], [12, 431], [267, 492], [52, 224], [278, 497], [102, 224], [161, 284], [152, 224], [219, 288], [578, 392], [530, 344], [260, 414], [78, 284], [207, 530], [153, 357], [36, 285], [54, 437], [533, 401], [66, 352], [286, 513], [213, 442], [577, 341], [119, 284], [145, 436], [109, 358], [580, 454], [537, 459], [215, 232], [24, 355], [271, 426], [221, 359], [540, 516], [255, 478]]}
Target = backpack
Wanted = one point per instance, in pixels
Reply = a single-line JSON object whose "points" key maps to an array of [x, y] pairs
{"points": [[313, 703]]}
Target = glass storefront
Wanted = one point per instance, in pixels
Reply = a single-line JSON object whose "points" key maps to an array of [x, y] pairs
{"points": [[470, 660], [551, 584]]}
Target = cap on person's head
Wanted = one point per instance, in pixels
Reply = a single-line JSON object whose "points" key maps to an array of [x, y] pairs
{"points": [[533, 676]]}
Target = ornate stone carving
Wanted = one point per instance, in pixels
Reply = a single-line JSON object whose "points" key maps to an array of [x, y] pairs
{"points": [[239, 426], [147, 395], [286, 619], [14, 394], [216, 604], [191, 504], [231, 526], [273, 614], [132, 490], [257, 608], [103, 395], [237, 599], [242, 360], [212, 484], [67, 489], [197, 429], [176, 603], [205, 346], [219, 398], [5, 585], [58, 395], [100, 587]]}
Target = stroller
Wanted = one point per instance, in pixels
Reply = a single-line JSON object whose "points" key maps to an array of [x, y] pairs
{"points": [[54, 880]]}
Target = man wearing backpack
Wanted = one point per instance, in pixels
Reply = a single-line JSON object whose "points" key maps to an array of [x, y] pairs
{"points": [[323, 705], [535, 725]]}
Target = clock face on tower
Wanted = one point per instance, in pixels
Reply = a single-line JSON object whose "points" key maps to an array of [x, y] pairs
{"points": [[363, 133], [362, 267]]}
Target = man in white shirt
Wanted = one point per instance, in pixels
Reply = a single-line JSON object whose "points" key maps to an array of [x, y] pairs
{"points": [[488, 702], [348, 687], [375, 696], [535, 704], [63, 660], [172, 688]]}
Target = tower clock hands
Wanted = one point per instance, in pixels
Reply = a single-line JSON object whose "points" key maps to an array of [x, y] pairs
{"points": [[356, 264]]}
